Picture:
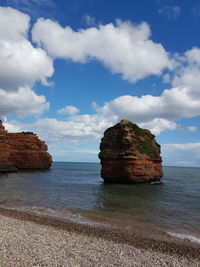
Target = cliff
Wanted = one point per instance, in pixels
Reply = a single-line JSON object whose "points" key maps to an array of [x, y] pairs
{"points": [[129, 154], [22, 151]]}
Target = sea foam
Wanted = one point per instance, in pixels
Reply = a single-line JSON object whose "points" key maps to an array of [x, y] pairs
{"points": [[186, 237]]}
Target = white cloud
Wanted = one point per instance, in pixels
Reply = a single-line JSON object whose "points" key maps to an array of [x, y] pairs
{"points": [[123, 47], [157, 113], [171, 12], [173, 104], [22, 103], [188, 72], [70, 110], [13, 24], [191, 128], [157, 125], [77, 130], [90, 21], [21, 64], [12, 126], [181, 154]]}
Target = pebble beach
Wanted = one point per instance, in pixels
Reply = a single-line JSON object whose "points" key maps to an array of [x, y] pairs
{"points": [[28, 240]]}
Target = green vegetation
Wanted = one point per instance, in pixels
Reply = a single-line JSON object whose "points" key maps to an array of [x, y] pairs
{"points": [[141, 140], [27, 133], [103, 154], [2, 138], [139, 131], [146, 148]]}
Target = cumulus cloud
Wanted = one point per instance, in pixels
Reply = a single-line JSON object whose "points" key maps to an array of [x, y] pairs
{"points": [[82, 128], [189, 71], [171, 12], [123, 47], [129, 51], [22, 103], [177, 154], [156, 113], [16, 28], [173, 104], [70, 110], [21, 64], [157, 125]]}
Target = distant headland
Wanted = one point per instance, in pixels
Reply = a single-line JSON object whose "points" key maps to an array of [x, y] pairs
{"points": [[22, 151]]}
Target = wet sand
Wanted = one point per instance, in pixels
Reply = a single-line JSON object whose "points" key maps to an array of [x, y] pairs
{"points": [[30, 240]]}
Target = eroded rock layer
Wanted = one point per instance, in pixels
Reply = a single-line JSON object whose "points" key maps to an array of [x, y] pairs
{"points": [[129, 154], [22, 151]]}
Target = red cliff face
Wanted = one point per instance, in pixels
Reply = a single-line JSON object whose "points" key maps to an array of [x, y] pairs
{"points": [[129, 154], [22, 151]]}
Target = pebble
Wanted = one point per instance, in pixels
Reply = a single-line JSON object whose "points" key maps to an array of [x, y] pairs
{"points": [[27, 244]]}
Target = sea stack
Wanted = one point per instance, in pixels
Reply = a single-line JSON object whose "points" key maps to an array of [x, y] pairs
{"points": [[129, 154], [22, 151]]}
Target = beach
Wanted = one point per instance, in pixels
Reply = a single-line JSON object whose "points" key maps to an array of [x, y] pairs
{"points": [[30, 240]]}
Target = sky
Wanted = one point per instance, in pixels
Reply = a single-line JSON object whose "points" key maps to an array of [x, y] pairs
{"points": [[71, 69]]}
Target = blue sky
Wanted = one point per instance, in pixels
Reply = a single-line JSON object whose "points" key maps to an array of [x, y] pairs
{"points": [[71, 69]]}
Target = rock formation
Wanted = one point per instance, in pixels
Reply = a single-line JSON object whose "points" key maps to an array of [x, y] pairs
{"points": [[129, 154], [22, 151]]}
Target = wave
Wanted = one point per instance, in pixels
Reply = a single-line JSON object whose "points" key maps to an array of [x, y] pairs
{"points": [[185, 237], [69, 215], [62, 214], [84, 218]]}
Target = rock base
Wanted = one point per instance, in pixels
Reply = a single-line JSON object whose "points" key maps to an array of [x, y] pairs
{"points": [[130, 171]]}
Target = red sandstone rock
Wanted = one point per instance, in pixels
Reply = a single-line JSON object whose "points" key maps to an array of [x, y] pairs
{"points": [[22, 151], [130, 154]]}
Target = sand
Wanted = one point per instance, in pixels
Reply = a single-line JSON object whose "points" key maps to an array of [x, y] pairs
{"points": [[25, 242]]}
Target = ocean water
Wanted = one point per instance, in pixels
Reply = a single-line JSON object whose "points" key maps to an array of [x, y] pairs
{"points": [[76, 192]]}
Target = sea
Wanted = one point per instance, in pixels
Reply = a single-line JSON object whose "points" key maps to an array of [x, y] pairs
{"points": [[77, 193]]}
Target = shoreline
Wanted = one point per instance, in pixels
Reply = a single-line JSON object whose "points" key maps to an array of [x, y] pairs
{"points": [[139, 241]]}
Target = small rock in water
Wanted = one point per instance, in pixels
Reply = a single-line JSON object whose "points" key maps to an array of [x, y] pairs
{"points": [[155, 183]]}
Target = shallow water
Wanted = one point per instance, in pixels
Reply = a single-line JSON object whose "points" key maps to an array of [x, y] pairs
{"points": [[75, 191]]}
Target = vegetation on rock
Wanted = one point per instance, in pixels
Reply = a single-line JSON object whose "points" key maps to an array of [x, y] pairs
{"points": [[126, 139], [28, 133]]}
